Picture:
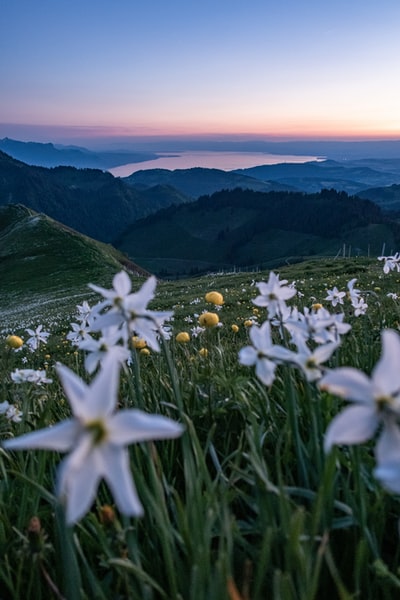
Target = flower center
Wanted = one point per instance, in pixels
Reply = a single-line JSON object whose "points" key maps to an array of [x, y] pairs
{"points": [[98, 431], [384, 402]]}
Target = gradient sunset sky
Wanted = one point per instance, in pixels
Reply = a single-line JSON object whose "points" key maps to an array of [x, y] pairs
{"points": [[275, 69]]}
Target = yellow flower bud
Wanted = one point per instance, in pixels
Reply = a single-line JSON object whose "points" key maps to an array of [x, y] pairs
{"points": [[138, 342], [316, 306], [248, 323], [14, 341], [183, 337], [208, 319], [203, 352], [235, 328], [215, 298], [145, 351]]}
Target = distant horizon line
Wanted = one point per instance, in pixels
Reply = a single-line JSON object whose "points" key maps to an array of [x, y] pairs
{"points": [[103, 133]]}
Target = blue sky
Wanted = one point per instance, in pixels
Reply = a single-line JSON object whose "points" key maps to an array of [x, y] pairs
{"points": [[289, 69]]}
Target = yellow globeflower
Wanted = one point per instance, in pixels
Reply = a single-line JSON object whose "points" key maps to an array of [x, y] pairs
{"points": [[316, 306], [138, 342], [208, 319], [183, 337], [145, 351], [235, 328], [248, 323], [14, 341], [215, 298], [203, 352]]}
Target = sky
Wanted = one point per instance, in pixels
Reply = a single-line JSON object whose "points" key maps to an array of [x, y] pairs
{"points": [[287, 69]]}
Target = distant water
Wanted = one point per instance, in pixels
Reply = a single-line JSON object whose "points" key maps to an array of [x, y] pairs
{"points": [[227, 161]]}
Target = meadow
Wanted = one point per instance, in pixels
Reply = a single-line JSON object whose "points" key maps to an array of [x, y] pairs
{"points": [[248, 486]]}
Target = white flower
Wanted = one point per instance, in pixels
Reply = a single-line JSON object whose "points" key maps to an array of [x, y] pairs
{"points": [[129, 311], [335, 297], [79, 332], [354, 293], [96, 436], [310, 361], [390, 262], [263, 353], [98, 350], [37, 337], [30, 375], [14, 414], [273, 294], [360, 307], [376, 398]]}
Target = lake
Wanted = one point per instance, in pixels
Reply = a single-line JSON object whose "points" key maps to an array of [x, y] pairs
{"points": [[226, 161]]}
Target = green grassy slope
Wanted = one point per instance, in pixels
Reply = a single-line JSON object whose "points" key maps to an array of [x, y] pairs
{"points": [[45, 263]]}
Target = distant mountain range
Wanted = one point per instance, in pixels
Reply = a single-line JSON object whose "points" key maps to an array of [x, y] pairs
{"points": [[49, 155], [194, 220], [88, 200]]}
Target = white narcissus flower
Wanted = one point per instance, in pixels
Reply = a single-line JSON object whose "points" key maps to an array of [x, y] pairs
{"points": [[273, 294], [310, 361], [37, 377], [37, 337], [263, 353], [376, 398], [129, 311], [96, 436], [335, 297]]}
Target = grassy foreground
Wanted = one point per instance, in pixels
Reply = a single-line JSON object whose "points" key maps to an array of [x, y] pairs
{"points": [[245, 504]]}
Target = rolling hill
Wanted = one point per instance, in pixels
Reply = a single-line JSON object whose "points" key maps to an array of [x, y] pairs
{"points": [[243, 228], [199, 181], [41, 259]]}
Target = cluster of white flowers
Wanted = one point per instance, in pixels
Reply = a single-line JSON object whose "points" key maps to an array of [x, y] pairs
{"points": [[106, 328], [357, 300], [312, 335], [97, 433], [11, 412], [390, 263], [38, 377]]}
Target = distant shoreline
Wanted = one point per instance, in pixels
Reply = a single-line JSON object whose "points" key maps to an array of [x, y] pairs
{"points": [[225, 161]]}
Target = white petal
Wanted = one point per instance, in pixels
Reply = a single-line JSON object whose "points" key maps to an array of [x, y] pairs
{"points": [[389, 476], [119, 478], [324, 352], [131, 425], [356, 424], [74, 388], [386, 374], [122, 284], [78, 487], [247, 356], [265, 371], [101, 397], [387, 448], [349, 383], [60, 437]]}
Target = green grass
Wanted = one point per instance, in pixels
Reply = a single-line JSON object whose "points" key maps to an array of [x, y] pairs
{"points": [[245, 505]]}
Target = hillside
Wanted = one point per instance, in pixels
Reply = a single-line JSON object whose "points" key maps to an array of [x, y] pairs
{"points": [[388, 198], [199, 181], [43, 262], [88, 200], [244, 228]]}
